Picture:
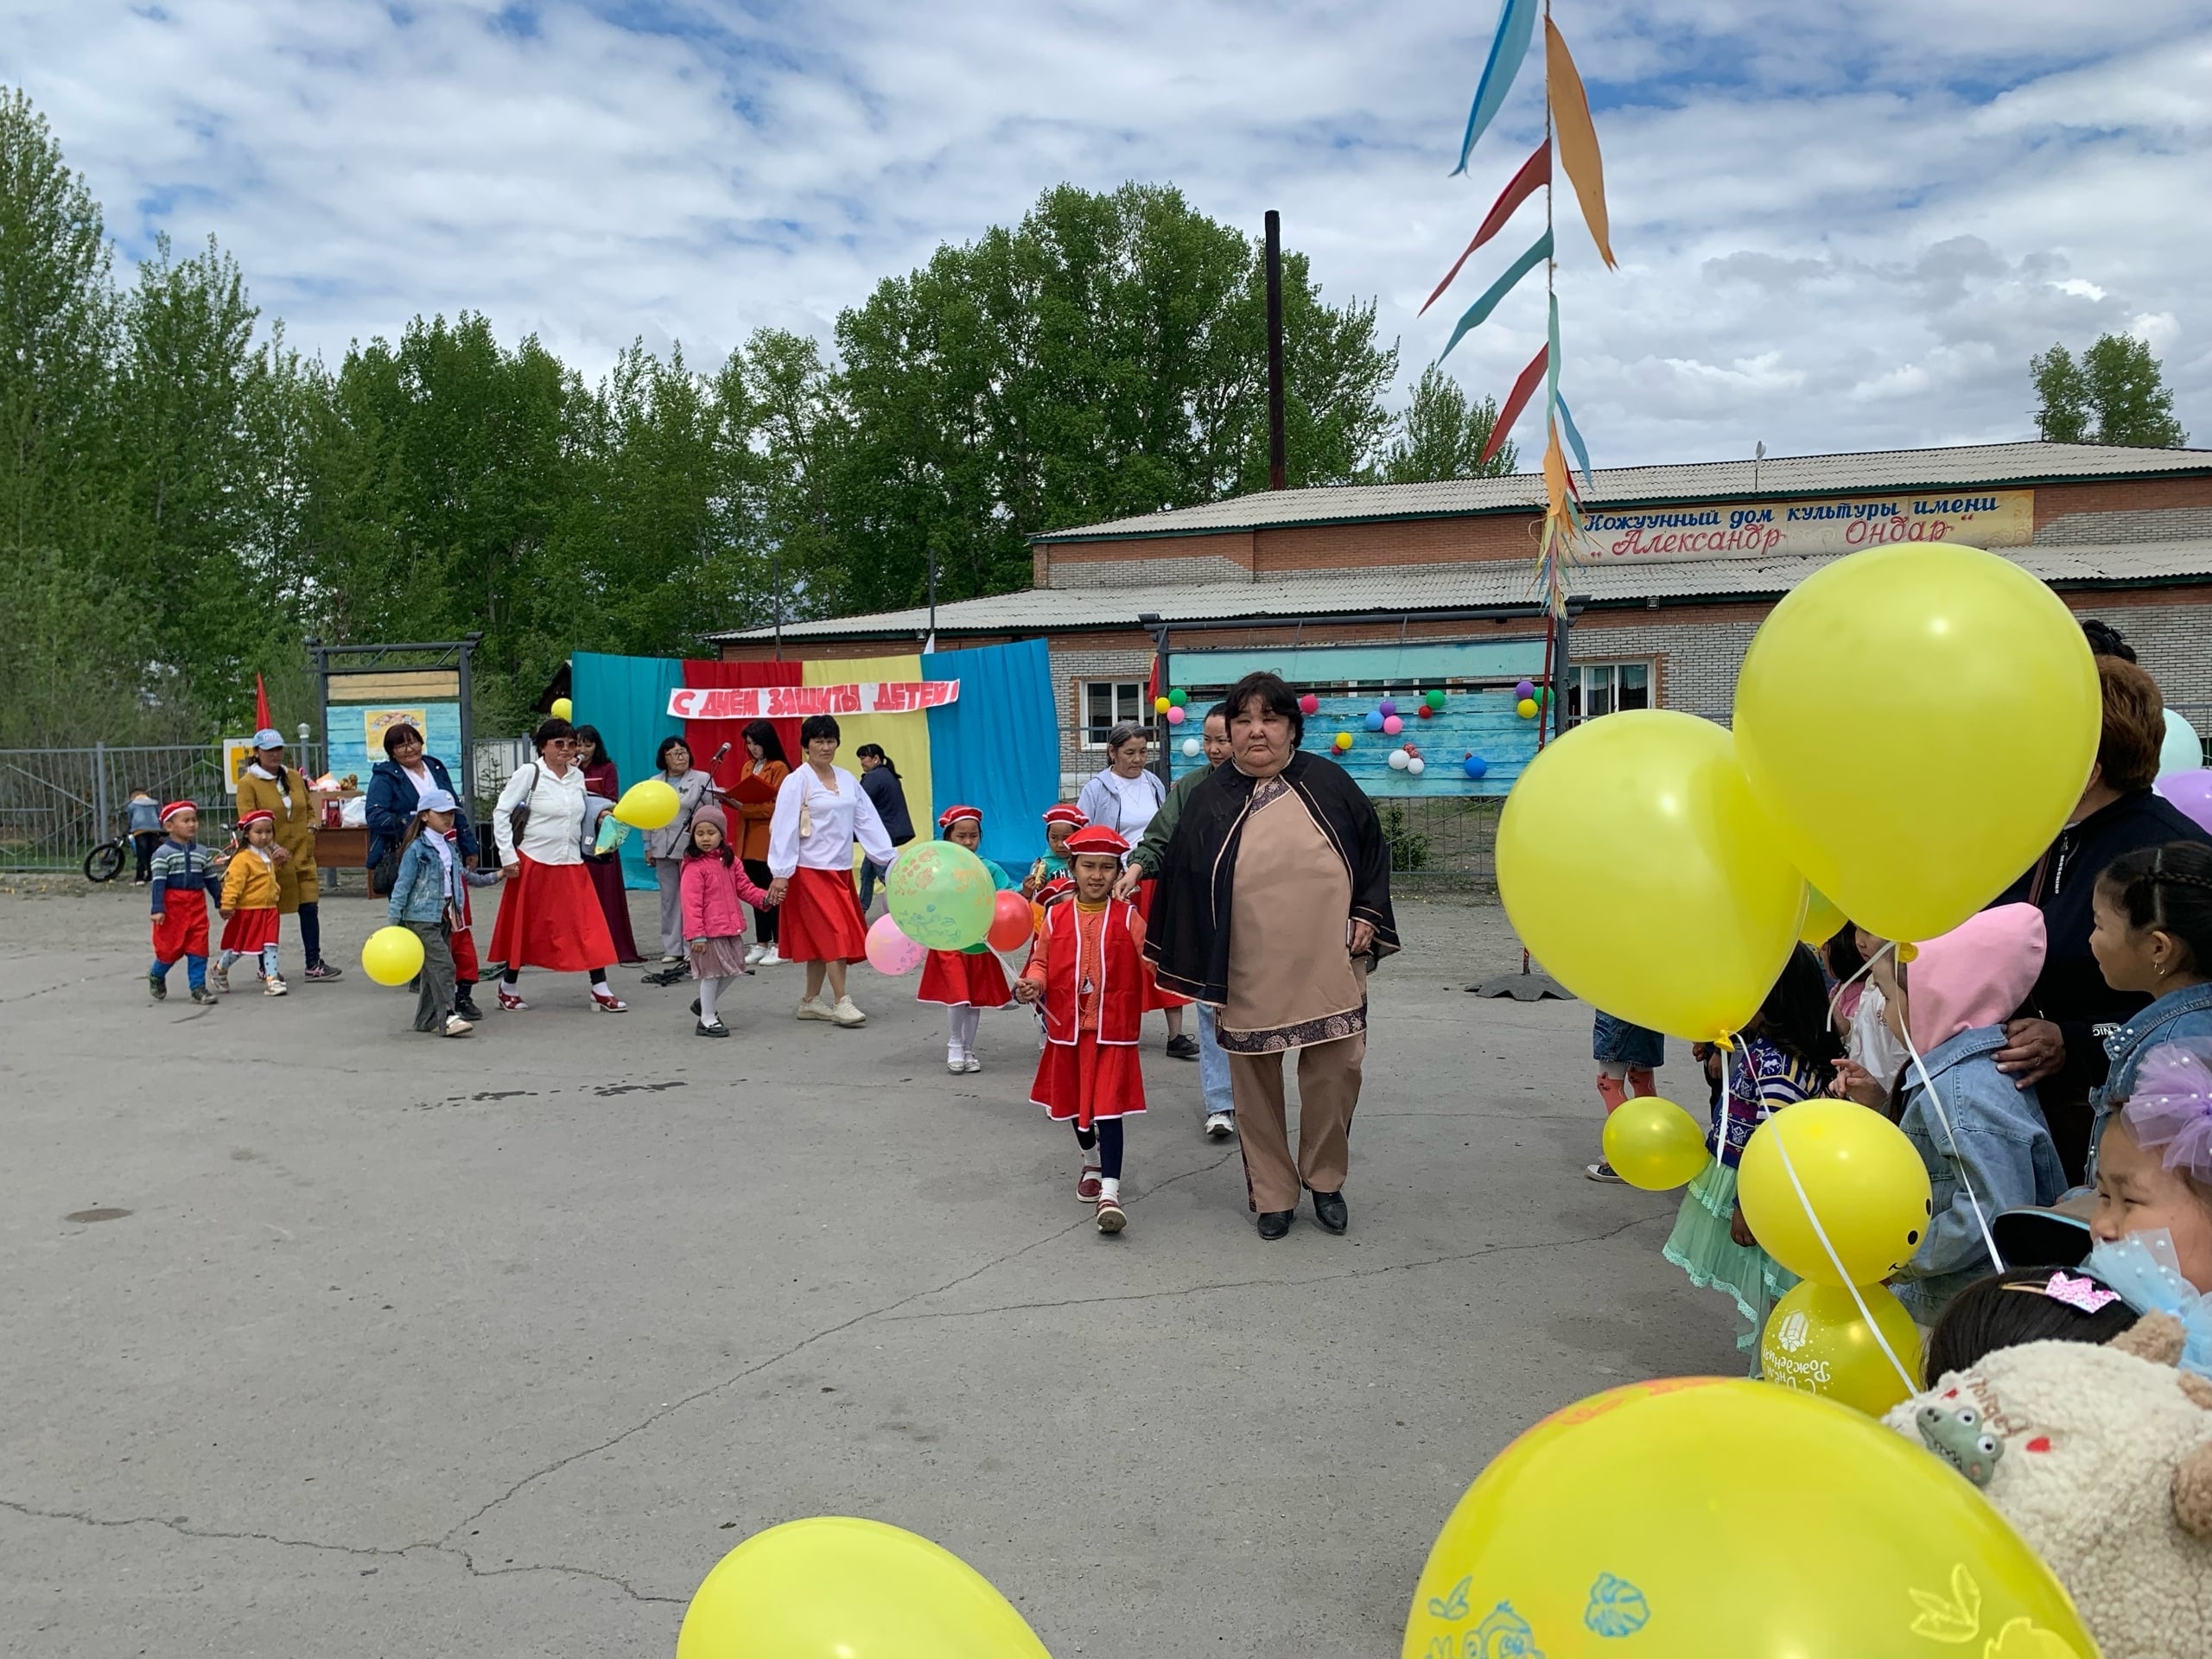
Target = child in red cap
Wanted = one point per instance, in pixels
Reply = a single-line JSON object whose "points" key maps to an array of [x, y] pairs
{"points": [[181, 872], [966, 982], [1087, 969], [249, 904]]}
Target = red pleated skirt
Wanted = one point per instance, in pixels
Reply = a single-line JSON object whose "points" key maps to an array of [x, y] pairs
{"points": [[1087, 1080], [976, 980], [247, 931], [550, 917], [820, 919], [1153, 996]]}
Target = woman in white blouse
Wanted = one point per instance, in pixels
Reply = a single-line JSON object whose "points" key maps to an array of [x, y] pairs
{"points": [[549, 915], [821, 811]]}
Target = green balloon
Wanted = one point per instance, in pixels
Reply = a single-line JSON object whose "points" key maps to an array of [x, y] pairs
{"points": [[1178, 698], [1435, 699], [941, 895]]}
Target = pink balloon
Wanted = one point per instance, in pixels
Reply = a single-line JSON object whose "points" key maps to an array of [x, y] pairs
{"points": [[2190, 792], [1176, 714], [1392, 725], [890, 951], [1309, 704]]}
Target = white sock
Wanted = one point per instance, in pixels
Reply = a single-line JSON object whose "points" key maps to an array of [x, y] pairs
{"points": [[964, 1021], [1109, 1187], [707, 990]]}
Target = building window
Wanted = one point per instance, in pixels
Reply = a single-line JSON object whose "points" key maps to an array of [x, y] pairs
{"points": [[1595, 689], [1106, 703]]}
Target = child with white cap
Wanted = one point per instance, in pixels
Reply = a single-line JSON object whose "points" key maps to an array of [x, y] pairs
{"points": [[429, 894]]}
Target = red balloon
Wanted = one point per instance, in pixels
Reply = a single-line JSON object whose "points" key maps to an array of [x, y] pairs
{"points": [[1424, 711], [1010, 922]]}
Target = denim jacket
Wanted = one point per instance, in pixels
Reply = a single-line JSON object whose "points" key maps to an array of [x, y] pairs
{"points": [[418, 890], [2002, 1143], [2173, 1016]]}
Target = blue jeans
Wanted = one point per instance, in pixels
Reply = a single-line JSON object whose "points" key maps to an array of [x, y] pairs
{"points": [[869, 876], [1213, 1066]]}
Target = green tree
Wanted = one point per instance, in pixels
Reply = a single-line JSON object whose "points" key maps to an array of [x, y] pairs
{"points": [[2115, 393], [1444, 435]]}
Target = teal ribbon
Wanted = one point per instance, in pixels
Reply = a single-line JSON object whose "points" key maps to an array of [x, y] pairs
{"points": [[1477, 314], [1517, 26]]}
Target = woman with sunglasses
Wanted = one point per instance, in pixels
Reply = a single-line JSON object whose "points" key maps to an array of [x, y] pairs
{"points": [[549, 914]]}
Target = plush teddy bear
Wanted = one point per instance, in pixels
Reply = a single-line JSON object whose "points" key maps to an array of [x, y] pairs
{"points": [[2101, 1459]]}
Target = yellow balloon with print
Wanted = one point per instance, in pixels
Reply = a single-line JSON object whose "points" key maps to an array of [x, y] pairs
{"points": [[392, 956], [1866, 1185], [838, 1587], [1637, 868], [1817, 1342], [1654, 1144], [651, 804], [1919, 721], [1703, 1518], [1823, 921]]}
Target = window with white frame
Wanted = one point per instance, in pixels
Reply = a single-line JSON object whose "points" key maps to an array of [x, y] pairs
{"points": [[1595, 689], [1106, 703]]}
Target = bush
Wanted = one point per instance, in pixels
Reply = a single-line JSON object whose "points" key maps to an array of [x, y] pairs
{"points": [[1408, 846]]}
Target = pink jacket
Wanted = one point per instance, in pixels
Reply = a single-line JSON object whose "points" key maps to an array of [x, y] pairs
{"points": [[711, 892]]}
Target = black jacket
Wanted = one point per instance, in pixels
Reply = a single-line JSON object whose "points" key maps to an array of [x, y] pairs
{"points": [[888, 796], [1186, 935], [392, 803], [2070, 992]]}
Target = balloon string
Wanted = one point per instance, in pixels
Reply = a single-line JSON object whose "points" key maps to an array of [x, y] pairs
{"points": [[1844, 985], [1980, 1220]]}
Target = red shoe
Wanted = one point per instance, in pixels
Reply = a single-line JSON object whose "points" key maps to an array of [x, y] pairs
{"points": [[611, 1002], [1087, 1187], [509, 1002], [1110, 1218]]}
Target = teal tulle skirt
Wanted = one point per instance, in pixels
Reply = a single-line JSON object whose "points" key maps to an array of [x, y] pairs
{"points": [[1701, 1247]]}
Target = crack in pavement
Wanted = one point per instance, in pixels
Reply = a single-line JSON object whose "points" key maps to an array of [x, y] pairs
{"points": [[1283, 1284], [358, 1551]]}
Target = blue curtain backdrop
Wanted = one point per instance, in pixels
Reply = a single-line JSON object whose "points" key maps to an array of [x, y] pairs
{"points": [[998, 749], [626, 697]]}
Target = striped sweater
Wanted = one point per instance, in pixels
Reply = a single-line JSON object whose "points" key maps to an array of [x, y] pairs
{"points": [[182, 866]]}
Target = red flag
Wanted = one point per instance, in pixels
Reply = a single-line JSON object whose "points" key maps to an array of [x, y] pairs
{"points": [[1537, 171], [1524, 389], [262, 722]]}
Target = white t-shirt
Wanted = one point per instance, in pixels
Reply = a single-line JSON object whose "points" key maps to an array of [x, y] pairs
{"points": [[1124, 805], [1871, 1041]]}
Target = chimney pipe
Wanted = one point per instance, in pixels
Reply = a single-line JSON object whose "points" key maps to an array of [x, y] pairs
{"points": [[1278, 475]]}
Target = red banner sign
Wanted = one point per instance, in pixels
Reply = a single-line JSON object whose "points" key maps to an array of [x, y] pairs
{"points": [[797, 701]]}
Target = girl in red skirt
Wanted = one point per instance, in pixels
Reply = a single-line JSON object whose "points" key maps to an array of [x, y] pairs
{"points": [[249, 904], [966, 982], [1088, 969]]}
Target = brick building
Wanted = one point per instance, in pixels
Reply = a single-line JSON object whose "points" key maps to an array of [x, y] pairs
{"points": [[1361, 592]]}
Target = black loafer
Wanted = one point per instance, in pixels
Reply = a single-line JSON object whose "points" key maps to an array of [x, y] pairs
{"points": [[1329, 1210], [1182, 1046], [1274, 1223]]}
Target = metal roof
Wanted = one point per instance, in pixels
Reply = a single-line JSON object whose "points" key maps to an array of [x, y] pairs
{"points": [[1982, 464], [1414, 588]]}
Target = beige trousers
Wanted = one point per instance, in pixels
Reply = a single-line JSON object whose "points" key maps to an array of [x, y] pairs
{"points": [[1328, 1092]]}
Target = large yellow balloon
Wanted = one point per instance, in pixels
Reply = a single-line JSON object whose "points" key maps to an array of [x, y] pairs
{"points": [[1654, 1144], [1817, 1342], [562, 709], [392, 956], [836, 1587], [1823, 921], [1918, 720], [1864, 1180], [1636, 866], [651, 804], [1620, 1527]]}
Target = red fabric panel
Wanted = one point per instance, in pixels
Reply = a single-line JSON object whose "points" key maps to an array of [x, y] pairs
{"points": [[705, 736]]}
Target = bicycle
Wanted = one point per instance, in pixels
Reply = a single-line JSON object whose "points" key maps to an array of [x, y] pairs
{"points": [[105, 862]]}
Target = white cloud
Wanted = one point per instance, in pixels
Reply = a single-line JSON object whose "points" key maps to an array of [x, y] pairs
{"points": [[1840, 228]]}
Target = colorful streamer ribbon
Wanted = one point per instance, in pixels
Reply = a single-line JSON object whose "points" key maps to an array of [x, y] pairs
{"points": [[1516, 400], [1539, 251], [1578, 138], [1573, 437], [1517, 27], [1534, 173]]}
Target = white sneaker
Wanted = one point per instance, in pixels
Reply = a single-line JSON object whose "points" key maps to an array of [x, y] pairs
{"points": [[220, 977], [846, 1015], [769, 959], [753, 953], [969, 1062], [955, 1065], [457, 1026], [1220, 1126], [273, 987], [811, 1008]]}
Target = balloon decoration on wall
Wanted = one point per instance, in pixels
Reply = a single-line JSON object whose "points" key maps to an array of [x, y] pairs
{"points": [[1308, 703], [1474, 766], [1343, 742], [1191, 748]]}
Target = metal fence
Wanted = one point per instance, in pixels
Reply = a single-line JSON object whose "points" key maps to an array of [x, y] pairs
{"points": [[1441, 841], [57, 805]]}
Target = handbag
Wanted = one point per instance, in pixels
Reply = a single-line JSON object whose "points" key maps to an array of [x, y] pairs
{"points": [[386, 871], [519, 819]]}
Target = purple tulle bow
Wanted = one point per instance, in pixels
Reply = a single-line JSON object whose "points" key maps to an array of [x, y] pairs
{"points": [[2171, 1106]]}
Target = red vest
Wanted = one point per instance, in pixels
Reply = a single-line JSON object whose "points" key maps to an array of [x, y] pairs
{"points": [[1120, 978]]}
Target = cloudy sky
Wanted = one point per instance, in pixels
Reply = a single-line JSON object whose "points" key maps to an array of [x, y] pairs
{"points": [[1841, 225]]}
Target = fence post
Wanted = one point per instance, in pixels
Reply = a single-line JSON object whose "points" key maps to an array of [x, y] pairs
{"points": [[100, 792]]}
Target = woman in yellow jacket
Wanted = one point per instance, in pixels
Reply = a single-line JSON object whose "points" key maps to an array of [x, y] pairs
{"points": [[269, 785]]}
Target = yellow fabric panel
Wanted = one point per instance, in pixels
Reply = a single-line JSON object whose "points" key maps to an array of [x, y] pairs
{"points": [[904, 738]]}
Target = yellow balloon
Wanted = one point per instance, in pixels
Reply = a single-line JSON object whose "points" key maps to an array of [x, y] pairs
{"points": [[1823, 921], [392, 956], [1862, 1177], [562, 709], [648, 805], [1919, 721], [1160, 705], [1632, 1516], [1637, 868], [836, 1587], [1654, 1144], [1526, 708], [1817, 1342]]}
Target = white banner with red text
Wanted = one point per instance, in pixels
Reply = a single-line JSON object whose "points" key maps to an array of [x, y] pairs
{"points": [[797, 701]]}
